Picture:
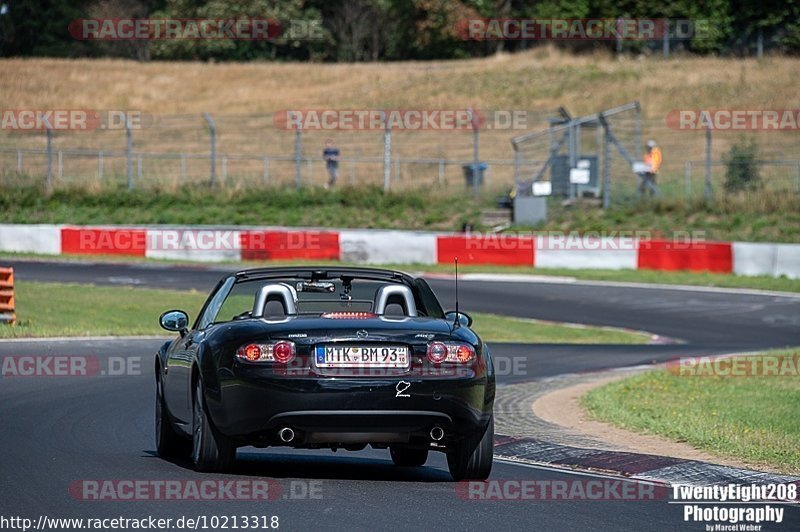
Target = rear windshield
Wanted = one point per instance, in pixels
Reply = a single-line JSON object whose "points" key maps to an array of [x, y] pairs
{"points": [[330, 295]]}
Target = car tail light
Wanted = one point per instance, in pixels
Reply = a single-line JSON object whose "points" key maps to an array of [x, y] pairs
{"points": [[281, 352], [252, 352], [459, 353], [349, 315], [437, 352], [465, 353]]}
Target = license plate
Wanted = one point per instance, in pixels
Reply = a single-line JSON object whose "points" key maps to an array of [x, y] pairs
{"points": [[388, 356]]}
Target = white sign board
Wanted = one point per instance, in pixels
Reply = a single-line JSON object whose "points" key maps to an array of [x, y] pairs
{"points": [[579, 176], [542, 188]]}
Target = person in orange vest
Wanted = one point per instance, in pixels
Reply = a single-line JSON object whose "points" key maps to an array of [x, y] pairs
{"points": [[653, 159]]}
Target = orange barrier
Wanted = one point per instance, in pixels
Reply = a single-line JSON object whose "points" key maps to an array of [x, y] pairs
{"points": [[7, 306]]}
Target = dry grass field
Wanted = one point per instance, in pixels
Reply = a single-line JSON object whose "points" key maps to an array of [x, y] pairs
{"points": [[540, 79], [242, 94]]}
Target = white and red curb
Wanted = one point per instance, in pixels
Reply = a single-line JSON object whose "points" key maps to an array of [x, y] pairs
{"points": [[215, 244]]}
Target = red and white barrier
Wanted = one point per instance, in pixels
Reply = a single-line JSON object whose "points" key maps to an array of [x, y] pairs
{"points": [[403, 247]]}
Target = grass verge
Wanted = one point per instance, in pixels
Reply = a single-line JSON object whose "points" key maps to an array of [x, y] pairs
{"points": [[719, 280], [751, 418], [492, 327], [52, 309], [767, 217]]}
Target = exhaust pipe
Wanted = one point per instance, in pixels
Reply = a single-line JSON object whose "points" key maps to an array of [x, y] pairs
{"points": [[286, 435], [437, 433]]}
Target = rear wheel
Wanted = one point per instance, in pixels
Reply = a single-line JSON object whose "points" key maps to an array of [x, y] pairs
{"points": [[169, 444], [404, 456], [472, 457], [211, 451]]}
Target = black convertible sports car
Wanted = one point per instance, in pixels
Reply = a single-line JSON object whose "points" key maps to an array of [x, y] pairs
{"points": [[325, 357]]}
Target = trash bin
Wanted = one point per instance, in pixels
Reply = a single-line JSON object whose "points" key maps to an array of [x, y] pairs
{"points": [[473, 178]]}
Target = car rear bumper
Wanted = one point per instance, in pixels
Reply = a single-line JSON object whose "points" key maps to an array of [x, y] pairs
{"points": [[254, 408]]}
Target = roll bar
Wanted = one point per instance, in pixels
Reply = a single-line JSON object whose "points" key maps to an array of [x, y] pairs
{"points": [[385, 292], [286, 293]]}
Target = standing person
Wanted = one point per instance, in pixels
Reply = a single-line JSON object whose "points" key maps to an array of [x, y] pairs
{"points": [[653, 159], [331, 156]]}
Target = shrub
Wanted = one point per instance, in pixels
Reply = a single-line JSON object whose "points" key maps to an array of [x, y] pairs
{"points": [[741, 163]]}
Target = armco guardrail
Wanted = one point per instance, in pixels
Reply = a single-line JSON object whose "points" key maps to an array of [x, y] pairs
{"points": [[545, 250]]}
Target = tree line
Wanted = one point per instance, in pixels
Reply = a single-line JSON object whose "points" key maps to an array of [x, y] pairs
{"points": [[386, 30]]}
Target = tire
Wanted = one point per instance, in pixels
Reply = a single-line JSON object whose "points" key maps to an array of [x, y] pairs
{"points": [[169, 444], [406, 457], [211, 451], [472, 458]]}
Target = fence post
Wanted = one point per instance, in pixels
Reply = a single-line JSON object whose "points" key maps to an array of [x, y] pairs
{"points": [[709, 192], [476, 172], [19, 161], [440, 178], [387, 153], [797, 176], [139, 168], [573, 160], [665, 40], [60, 164], [606, 171], [224, 169], [100, 165], [687, 179], [49, 134], [298, 153], [637, 125], [310, 165], [517, 165], [129, 151], [212, 126], [266, 170], [183, 168]]}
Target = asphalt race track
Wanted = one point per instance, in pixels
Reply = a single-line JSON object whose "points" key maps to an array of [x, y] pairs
{"points": [[59, 431]]}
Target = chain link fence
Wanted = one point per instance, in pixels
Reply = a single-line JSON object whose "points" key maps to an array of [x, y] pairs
{"points": [[698, 162], [254, 151]]}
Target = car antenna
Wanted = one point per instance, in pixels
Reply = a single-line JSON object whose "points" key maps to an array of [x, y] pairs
{"points": [[457, 321]]}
